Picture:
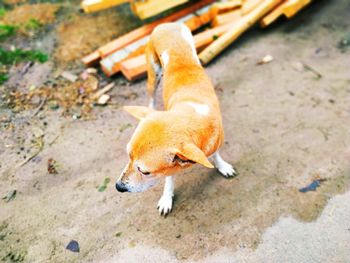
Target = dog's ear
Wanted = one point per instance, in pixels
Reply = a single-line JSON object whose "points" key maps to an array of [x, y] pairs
{"points": [[192, 153], [139, 112]]}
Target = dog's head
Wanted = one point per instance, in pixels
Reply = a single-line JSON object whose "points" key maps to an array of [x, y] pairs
{"points": [[158, 147]]}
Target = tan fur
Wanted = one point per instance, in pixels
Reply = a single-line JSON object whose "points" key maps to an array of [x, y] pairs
{"points": [[189, 128]]}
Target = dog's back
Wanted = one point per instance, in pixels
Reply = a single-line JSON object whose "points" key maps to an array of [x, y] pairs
{"points": [[171, 52], [187, 89]]}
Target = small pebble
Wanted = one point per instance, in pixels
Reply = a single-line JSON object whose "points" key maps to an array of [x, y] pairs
{"points": [[91, 70], [265, 60], [103, 99], [69, 76], [73, 246]]}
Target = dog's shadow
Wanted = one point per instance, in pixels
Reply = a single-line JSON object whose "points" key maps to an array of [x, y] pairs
{"points": [[201, 190]]}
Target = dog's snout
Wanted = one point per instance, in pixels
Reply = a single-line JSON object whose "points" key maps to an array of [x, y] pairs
{"points": [[121, 187]]}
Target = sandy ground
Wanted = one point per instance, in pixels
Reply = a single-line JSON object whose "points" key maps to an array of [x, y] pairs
{"points": [[284, 127]]}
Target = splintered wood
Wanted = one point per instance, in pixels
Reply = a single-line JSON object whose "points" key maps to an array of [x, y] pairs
{"points": [[228, 20]]}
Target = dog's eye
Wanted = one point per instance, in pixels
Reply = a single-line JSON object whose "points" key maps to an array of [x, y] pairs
{"points": [[144, 173]]}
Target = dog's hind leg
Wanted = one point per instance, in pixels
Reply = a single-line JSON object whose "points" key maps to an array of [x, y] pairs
{"points": [[224, 168], [154, 72], [165, 203]]}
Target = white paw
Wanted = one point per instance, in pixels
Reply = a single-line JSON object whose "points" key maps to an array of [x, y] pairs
{"points": [[165, 204], [226, 169]]}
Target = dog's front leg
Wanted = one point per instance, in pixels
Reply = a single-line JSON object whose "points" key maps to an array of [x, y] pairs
{"points": [[165, 203]]}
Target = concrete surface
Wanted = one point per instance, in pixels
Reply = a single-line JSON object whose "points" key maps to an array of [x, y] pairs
{"points": [[284, 127], [288, 240]]}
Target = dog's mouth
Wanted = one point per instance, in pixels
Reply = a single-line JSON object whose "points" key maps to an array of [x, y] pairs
{"points": [[126, 187]]}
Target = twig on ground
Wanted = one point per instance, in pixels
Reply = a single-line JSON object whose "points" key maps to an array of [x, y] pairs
{"points": [[41, 147], [311, 69], [42, 103]]}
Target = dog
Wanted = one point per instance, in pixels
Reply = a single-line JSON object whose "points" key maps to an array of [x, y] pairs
{"points": [[190, 129]]}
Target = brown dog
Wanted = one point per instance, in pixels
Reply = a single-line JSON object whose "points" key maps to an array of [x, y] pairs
{"points": [[188, 131]]}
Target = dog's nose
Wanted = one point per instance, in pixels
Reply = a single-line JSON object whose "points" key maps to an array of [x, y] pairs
{"points": [[121, 187]]}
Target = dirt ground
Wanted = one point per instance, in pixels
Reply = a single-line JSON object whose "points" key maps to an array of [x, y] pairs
{"points": [[285, 126]]}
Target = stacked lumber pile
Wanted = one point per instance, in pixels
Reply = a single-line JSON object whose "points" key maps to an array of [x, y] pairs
{"points": [[227, 21]]}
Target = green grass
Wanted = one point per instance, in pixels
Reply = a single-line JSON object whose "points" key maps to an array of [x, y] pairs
{"points": [[103, 187], [8, 58], [6, 31], [33, 24], [19, 55], [2, 12], [3, 78]]}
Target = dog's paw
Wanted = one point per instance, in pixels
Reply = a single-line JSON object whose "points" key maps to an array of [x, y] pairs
{"points": [[165, 205], [226, 169]]}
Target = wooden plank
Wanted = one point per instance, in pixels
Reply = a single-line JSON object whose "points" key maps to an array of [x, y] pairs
{"points": [[134, 68], [91, 59], [204, 38], [227, 6], [272, 16], [250, 5], [200, 20], [228, 17], [111, 64], [237, 29], [143, 31], [90, 6], [149, 8], [294, 7], [288, 8]]}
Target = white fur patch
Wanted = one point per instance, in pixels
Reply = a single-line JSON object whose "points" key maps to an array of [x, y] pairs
{"points": [[156, 67], [165, 58], [165, 203], [186, 34], [202, 109], [224, 168], [128, 148]]}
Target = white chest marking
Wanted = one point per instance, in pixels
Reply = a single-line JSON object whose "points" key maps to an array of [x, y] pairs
{"points": [[200, 108], [165, 58], [186, 34]]}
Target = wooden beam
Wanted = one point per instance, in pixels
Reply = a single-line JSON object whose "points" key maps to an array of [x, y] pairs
{"points": [[288, 8], [91, 59], [134, 68], [250, 5], [111, 64], [294, 7], [236, 30], [228, 17], [149, 8], [204, 38], [197, 21], [90, 6], [227, 6], [141, 32]]}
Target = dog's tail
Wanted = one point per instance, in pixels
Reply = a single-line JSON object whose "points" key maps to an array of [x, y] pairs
{"points": [[154, 69]]}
